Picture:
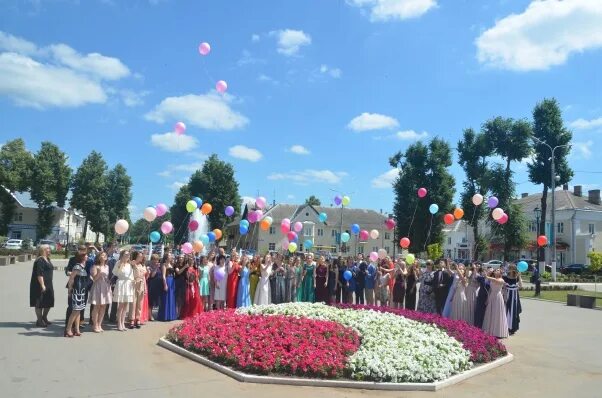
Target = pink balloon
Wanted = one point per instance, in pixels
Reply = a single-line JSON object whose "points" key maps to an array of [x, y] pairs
{"points": [[204, 48], [258, 215], [193, 225], [161, 209], [187, 248], [298, 226], [286, 221], [503, 219], [285, 229], [284, 243], [390, 223], [422, 192], [364, 235], [373, 256], [260, 202], [291, 236], [166, 227], [221, 86], [180, 128]]}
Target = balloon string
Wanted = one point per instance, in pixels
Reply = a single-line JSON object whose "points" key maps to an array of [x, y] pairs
{"points": [[185, 222], [143, 232], [428, 236], [412, 222]]}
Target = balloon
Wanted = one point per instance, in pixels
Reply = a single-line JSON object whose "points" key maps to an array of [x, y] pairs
{"points": [[298, 226], [191, 206], [522, 266], [221, 86], [433, 209], [284, 243], [198, 201], [193, 225], [422, 192], [355, 229], [497, 213], [410, 259], [477, 199], [219, 274], [166, 227], [197, 246], [150, 214], [458, 213], [285, 228], [346, 200], [121, 227], [503, 219], [492, 202], [204, 48], [292, 236], [264, 225], [404, 242], [218, 233], [374, 234], [373, 256], [286, 221], [448, 218], [269, 219], [205, 239], [245, 223], [161, 209], [364, 235], [308, 244], [292, 247], [347, 275], [260, 202], [323, 217], [382, 253], [252, 216], [187, 248], [243, 229], [258, 215], [338, 200], [211, 236], [345, 237], [179, 128], [206, 208], [229, 211], [390, 224], [542, 240]]}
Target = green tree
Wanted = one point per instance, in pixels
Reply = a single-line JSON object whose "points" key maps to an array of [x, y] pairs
{"points": [[15, 173], [422, 166], [434, 251], [89, 191], [595, 261], [118, 196], [50, 178], [313, 201], [549, 128]]}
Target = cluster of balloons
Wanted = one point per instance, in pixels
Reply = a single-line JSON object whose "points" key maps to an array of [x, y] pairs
{"points": [[254, 216], [382, 253], [197, 203], [149, 214], [204, 49], [342, 200]]}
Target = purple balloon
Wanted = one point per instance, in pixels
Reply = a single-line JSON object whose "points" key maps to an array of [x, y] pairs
{"points": [[220, 274], [492, 202], [229, 211], [338, 200]]}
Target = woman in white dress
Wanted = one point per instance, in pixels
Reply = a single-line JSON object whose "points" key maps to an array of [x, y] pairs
{"points": [[262, 293], [458, 303], [123, 294], [220, 284]]}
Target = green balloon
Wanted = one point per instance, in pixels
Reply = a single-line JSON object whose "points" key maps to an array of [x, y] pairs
{"points": [[191, 206]]}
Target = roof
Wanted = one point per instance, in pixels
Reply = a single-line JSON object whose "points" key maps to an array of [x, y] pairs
{"points": [[565, 200], [24, 200]]}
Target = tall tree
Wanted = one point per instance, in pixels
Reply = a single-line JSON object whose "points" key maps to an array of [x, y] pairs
{"points": [[15, 173], [422, 166], [549, 128], [473, 151], [89, 190], [50, 179], [313, 201], [118, 197]]}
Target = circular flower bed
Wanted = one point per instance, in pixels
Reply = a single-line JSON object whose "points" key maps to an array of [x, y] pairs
{"points": [[274, 344]]}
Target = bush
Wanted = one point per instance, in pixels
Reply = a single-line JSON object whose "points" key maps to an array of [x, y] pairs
{"points": [[596, 262]]}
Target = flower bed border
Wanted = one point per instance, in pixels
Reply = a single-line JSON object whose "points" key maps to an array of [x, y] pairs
{"points": [[363, 385]]}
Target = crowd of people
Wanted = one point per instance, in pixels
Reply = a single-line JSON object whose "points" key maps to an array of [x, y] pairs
{"points": [[132, 289]]}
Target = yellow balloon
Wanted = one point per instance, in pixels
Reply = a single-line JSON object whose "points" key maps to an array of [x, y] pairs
{"points": [[346, 200], [191, 206], [410, 259]]}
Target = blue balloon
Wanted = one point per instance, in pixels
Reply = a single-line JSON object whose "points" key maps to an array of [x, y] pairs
{"points": [[355, 228], [433, 209], [205, 239], [345, 237], [244, 223], [322, 217], [308, 244], [154, 236], [198, 201], [347, 275], [522, 266], [243, 230], [211, 236]]}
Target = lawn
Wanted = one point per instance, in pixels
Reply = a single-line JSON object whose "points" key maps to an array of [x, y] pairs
{"points": [[560, 295]]}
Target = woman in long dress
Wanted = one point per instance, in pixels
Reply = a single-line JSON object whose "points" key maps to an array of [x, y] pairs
{"points": [[155, 285], [232, 284], [333, 272], [321, 281], [100, 294], [180, 281], [513, 306], [482, 297], [452, 290], [167, 305], [220, 282], [41, 291], [458, 303], [383, 287], [279, 281], [243, 298], [399, 287], [123, 293], [255, 274], [299, 280], [204, 283], [192, 299], [426, 297], [262, 293], [472, 289], [307, 286], [411, 280], [495, 322]]}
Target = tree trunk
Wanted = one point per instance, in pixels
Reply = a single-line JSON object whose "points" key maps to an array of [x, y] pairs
{"points": [[85, 229], [542, 222], [475, 237]]}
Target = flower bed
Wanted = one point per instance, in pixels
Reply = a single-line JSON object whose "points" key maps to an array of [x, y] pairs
{"points": [[482, 347], [262, 345], [393, 348]]}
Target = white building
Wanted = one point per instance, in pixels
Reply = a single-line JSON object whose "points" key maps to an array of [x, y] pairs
{"points": [[458, 240]]}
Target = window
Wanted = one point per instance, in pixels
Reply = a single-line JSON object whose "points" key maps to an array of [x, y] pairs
{"points": [[464, 240], [387, 235], [449, 240], [320, 232], [375, 248], [271, 246], [16, 234], [560, 227], [387, 249], [301, 247], [360, 249], [333, 250], [272, 232], [18, 217], [333, 233], [533, 226], [308, 231], [592, 228]]}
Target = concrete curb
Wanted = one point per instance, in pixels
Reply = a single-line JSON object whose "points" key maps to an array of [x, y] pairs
{"points": [[363, 385], [557, 302]]}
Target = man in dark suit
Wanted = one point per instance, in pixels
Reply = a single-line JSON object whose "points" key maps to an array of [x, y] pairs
{"points": [[442, 282], [536, 279]]}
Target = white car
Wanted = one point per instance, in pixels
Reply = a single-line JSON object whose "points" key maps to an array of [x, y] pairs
{"points": [[494, 263], [14, 244]]}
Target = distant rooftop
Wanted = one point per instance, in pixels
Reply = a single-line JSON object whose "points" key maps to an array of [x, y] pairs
{"points": [[565, 200]]}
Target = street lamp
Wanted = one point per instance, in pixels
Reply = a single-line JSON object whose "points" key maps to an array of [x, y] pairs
{"points": [[537, 212], [554, 178]]}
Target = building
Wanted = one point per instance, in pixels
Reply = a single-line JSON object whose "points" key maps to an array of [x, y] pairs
{"points": [[326, 236], [458, 240], [68, 224]]}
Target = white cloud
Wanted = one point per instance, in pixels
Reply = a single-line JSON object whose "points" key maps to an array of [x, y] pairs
{"points": [[299, 150], [245, 153], [385, 180], [411, 135], [176, 185], [372, 121], [582, 150], [290, 41], [248, 59], [310, 176], [583, 124], [265, 78], [386, 10], [132, 98], [255, 37], [183, 167], [172, 142], [544, 35], [95, 64], [15, 44], [209, 111], [332, 72]]}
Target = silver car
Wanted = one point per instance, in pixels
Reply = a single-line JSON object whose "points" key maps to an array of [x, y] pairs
{"points": [[14, 244]]}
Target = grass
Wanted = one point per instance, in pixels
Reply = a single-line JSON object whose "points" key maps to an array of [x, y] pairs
{"points": [[560, 295]]}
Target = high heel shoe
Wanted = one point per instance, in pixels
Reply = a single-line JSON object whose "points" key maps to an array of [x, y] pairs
{"points": [[77, 334], [67, 335]]}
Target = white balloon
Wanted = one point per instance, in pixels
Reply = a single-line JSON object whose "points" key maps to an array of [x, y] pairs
{"points": [[150, 213], [374, 234], [497, 213], [121, 227], [477, 199]]}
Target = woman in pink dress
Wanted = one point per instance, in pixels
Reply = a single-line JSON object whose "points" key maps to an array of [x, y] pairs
{"points": [[495, 322]]}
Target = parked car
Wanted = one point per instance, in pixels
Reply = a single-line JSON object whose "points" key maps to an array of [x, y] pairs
{"points": [[573, 269], [14, 244], [494, 263], [48, 242]]}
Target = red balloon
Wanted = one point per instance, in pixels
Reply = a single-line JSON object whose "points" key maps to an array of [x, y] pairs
{"points": [[364, 235], [422, 192], [542, 240], [448, 218], [291, 235], [404, 242]]}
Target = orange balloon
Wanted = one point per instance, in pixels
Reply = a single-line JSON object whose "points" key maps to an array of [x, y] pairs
{"points": [[197, 246], [206, 208], [448, 218], [458, 213], [542, 240], [264, 225], [218, 233]]}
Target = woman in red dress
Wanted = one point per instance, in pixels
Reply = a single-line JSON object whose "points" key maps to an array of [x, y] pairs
{"points": [[232, 284], [192, 296]]}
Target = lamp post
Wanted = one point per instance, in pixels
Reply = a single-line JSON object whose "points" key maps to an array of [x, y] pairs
{"points": [[553, 178], [537, 212]]}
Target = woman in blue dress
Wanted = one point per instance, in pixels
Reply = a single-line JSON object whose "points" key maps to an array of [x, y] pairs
{"points": [[204, 282], [243, 298], [167, 304], [452, 290]]}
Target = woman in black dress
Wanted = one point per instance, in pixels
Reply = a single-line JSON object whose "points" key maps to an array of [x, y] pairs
{"points": [[155, 283], [77, 285], [399, 287], [411, 279], [180, 277], [513, 307], [41, 292], [333, 272], [482, 296]]}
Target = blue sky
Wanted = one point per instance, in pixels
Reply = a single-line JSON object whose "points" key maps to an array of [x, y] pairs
{"points": [[320, 93]]}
